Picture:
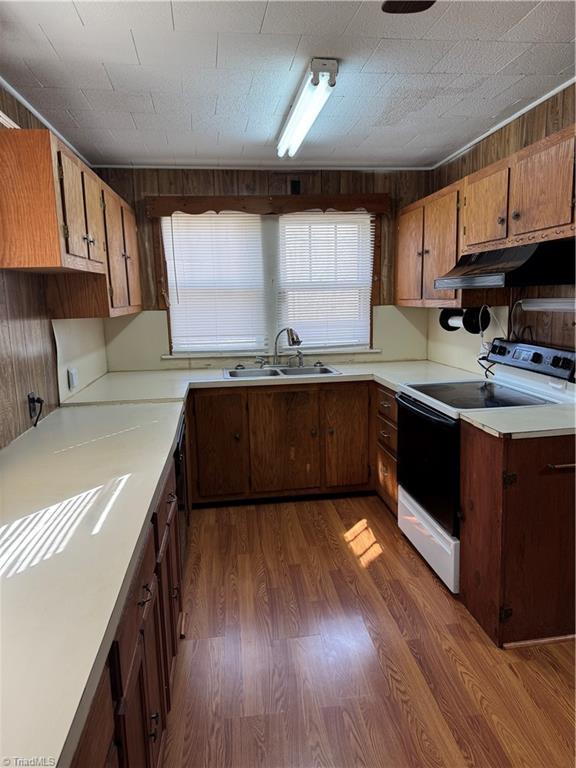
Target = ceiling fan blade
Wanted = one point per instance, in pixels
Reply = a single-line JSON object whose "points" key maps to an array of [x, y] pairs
{"points": [[407, 6]]}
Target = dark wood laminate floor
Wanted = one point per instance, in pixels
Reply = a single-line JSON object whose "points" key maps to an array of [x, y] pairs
{"points": [[318, 637]]}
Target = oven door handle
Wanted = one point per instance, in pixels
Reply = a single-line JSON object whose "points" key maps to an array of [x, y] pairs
{"points": [[423, 410]]}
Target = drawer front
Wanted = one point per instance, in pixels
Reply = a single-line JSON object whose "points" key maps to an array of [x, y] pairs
{"points": [[386, 482], [387, 435], [138, 597], [386, 404]]}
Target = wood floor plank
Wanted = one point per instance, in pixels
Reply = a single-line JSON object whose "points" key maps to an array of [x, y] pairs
{"points": [[318, 638]]}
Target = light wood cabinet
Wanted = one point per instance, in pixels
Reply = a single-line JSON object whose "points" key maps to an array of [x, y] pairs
{"points": [[542, 188], [48, 208], [284, 439], [427, 247], [517, 534], [525, 198], [346, 414]]}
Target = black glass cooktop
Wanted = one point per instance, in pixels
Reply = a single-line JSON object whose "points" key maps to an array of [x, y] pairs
{"points": [[477, 394]]}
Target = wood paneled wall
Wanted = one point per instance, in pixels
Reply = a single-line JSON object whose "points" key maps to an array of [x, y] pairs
{"points": [[27, 349], [135, 184]]}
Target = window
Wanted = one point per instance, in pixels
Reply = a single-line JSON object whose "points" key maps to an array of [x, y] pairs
{"points": [[235, 279]]}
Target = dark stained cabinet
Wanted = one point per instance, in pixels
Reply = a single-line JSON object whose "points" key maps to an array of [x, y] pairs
{"points": [[383, 444], [284, 439], [96, 746], [133, 716], [346, 414], [221, 442], [517, 535]]}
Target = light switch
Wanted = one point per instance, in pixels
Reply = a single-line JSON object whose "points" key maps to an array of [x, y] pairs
{"points": [[72, 378]]}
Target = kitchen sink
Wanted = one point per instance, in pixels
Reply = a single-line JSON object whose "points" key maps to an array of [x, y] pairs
{"points": [[251, 373], [261, 373], [309, 371]]}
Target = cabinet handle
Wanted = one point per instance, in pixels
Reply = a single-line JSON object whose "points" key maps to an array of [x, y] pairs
{"points": [[175, 593], [314, 432], [152, 735], [331, 430], [171, 497], [561, 467], [384, 404], [501, 220], [515, 215], [155, 717], [426, 251], [142, 603], [86, 238], [419, 253], [236, 435], [384, 434]]}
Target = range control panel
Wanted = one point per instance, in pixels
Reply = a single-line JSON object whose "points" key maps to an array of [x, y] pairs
{"points": [[547, 360]]}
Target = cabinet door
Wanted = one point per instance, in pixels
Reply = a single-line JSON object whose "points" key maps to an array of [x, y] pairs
{"points": [[94, 217], [409, 255], [486, 208], [169, 639], [175, 574], [76, 236], [538, 539], [221, 443], [386, 482], [133, 717], [152, 643], [116, 261], [284, 439], [131, 254], [96, 740], [346, 418], [541, 189], [440, 243]]}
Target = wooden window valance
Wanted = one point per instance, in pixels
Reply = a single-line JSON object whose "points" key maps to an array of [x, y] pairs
{"points": [[166, 205]]}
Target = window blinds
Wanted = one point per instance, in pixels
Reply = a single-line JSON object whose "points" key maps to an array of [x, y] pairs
{"points": [[216, 282], [325, 277]]}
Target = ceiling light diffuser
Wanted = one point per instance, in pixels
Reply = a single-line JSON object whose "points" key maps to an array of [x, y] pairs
{"points": [[314, 92]]}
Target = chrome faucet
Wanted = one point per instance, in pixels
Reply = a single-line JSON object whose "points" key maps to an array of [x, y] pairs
{"points": [[299, 356], [261, 361], [293, 341]]}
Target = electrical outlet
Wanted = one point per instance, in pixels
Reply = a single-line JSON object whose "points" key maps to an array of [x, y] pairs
{"points": [[32, 405], [72, 378]]}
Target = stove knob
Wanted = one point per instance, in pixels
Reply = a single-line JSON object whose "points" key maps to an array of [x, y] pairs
{"points": [[566, 363], [536, 358], [556, 361]]}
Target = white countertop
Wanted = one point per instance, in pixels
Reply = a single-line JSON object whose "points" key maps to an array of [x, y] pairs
{"points": [[75, 494], [171, 386]]}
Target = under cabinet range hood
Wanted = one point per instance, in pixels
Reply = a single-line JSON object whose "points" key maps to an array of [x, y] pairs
{"points": [[549, 263]]}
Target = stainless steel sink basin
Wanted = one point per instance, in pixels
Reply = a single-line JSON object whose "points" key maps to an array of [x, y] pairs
{"points": [[309, 371], [251, 373]]}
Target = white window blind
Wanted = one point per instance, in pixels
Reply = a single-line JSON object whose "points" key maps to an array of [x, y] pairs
{"points": [[216, 282], [325, 277]]}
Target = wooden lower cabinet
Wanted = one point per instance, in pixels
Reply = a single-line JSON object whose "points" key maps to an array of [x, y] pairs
{"points": [[221, 443], [384, 442], [127, 721], [517, 535], [284, 439], [345, 410], [280, 440], [386, 478]]}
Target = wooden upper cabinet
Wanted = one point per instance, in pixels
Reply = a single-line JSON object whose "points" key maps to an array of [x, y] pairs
{"points": [[94, 201], [542, 189], [485, 208], [131, 256], [116, 252], [440, 243], [42, 206], [409, 247], [346, 419], [284, 439]]}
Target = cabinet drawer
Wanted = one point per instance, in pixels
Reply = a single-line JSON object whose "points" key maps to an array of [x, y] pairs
{"points": [[387, 435], [138, 597], [165, 508], [386, 482], [386, 404]]}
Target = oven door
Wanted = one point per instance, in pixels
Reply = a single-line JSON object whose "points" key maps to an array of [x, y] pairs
{"points": [[429, 460]]}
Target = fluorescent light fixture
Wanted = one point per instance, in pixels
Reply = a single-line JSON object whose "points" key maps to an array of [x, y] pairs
{"points": [[547, 305], [312, 95]]}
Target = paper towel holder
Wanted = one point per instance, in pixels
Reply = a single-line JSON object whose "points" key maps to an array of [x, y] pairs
{"points": [[474, 320]]}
